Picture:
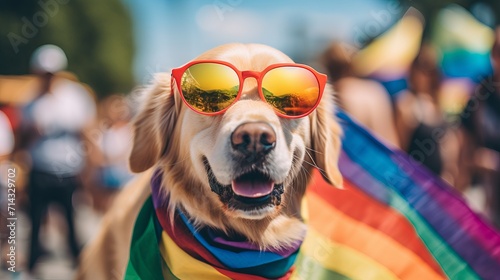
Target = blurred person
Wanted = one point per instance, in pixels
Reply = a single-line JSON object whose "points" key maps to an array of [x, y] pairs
{"points": [[6, 148], [113, 149], [420, 122], [481, 127], [51, 132], [116, 142], [366, 100]]}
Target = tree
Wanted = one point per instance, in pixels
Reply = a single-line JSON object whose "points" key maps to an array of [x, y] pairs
{"points": [[96, 36]]}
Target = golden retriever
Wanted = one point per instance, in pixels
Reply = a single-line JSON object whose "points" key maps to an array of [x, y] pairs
{"points": [[196, 153]]}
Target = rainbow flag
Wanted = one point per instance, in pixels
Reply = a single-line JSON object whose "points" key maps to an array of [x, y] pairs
{"points": [[392, 220]]}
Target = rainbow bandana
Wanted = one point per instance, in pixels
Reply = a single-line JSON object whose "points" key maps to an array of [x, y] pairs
{"points": [[182, 252], [392, 220]]}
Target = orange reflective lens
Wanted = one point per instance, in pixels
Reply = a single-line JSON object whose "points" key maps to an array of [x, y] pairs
{"points": [[293, 91], [210, 87]]}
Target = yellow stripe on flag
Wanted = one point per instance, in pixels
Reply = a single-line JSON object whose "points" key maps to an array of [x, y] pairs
{"points": [[342, 259]]}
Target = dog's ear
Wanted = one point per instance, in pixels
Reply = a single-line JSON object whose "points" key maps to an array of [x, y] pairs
{"points": [[325, 137], [154, 124]]}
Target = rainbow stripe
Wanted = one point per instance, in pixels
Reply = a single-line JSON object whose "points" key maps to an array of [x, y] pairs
{"points": [[392, 220]]}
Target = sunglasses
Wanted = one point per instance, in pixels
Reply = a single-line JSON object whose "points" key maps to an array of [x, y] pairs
{"points": [[210, 87]]}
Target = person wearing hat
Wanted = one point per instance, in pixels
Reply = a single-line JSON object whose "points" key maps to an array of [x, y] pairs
{"points": [[51, 132]]}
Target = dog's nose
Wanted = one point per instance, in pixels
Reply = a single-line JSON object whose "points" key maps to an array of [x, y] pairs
{"points": [[253, 139]]}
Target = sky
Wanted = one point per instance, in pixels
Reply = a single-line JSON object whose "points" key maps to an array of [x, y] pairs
{"points": [[170, 33]]}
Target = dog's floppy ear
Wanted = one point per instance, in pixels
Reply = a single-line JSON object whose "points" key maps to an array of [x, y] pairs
{"points": [[153, 125], [325, 137]]}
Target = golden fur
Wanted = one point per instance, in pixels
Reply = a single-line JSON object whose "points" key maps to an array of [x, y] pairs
{"points": [[172, 137]]}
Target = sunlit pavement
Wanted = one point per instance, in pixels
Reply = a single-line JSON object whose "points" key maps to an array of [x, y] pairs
{"points": [[57, 264]]}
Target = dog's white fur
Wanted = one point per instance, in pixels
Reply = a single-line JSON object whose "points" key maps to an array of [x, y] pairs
{"points": [[172, 137]]}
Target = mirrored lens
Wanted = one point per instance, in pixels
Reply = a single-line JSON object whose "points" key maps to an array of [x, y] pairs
{"points": [[293, 91], [209, 87]]}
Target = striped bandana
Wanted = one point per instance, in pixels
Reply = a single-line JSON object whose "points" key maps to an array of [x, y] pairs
{"points": [[186, 253]]}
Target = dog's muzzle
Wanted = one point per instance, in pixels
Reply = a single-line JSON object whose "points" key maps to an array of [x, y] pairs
{"points": [[252, 188], [249, 191]]}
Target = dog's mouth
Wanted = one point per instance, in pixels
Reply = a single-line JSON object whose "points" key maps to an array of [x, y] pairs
{"points": [[251, 185], [251, 192]]}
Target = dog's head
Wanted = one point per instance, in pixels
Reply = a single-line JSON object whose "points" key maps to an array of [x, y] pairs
{"points": [[245, 170]]}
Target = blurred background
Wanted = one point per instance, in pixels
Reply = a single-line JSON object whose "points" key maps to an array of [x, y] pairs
{"points": [[422, 76]]}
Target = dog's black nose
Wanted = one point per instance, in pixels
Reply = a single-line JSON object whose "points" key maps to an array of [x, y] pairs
{"points": [[253, 139]]}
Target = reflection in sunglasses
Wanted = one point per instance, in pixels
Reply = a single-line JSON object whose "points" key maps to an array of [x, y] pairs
{"points": [[292, 104], [209, 100]]}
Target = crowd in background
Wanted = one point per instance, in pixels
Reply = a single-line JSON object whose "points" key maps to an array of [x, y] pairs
{"points": [[465, 153], [65, 142], [65, 146]]}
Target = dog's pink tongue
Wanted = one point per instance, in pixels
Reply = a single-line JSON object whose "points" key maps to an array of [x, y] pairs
{"points": [[252, 187]]}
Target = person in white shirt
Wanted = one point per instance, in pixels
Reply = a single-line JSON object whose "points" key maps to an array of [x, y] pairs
{"points": [[51, 131]]}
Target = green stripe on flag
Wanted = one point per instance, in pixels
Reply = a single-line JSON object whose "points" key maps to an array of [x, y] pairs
{"points": [[453, 265]]}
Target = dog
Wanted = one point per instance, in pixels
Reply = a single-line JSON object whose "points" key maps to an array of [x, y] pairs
{"points": [[215, 167]]}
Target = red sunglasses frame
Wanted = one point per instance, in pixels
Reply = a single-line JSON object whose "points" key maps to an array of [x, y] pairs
{"points": [[242, 75]]}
